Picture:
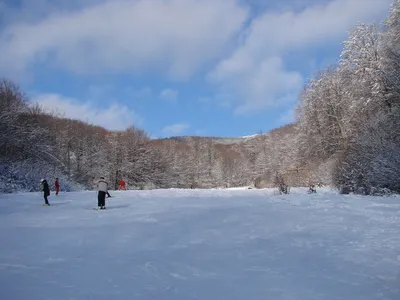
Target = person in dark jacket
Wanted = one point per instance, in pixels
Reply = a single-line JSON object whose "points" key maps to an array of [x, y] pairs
{"points": [[46, 191]]}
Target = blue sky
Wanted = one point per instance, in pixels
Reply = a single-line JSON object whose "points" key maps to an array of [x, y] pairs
{"points": [[175, 67]]}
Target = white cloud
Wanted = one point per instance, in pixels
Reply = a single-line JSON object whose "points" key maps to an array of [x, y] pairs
{"points": [[175, 129], [258, 84], [174, 37], [169, 95], [113, 117], [256, 76]]}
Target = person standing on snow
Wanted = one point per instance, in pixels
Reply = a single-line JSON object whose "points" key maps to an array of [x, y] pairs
{"points": [[44, 186], [102, 187], [57, 186], [122, 185]]}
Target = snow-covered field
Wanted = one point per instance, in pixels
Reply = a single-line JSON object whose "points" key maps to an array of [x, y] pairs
{"points": [[200, 244]]}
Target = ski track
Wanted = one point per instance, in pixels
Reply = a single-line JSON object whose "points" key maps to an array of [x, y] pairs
{"points": [[200, 244]]}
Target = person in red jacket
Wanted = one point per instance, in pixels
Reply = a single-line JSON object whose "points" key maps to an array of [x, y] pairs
{"points": [[57, 185], [122, 185]]}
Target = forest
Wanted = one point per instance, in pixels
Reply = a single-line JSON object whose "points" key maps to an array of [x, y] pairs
{"points": [[346, 134]]}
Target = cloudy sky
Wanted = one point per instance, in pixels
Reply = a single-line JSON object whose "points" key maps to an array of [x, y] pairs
{"points": [[175, 67]]}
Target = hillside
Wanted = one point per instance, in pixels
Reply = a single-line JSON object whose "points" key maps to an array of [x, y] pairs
{"points": [[245, 158], [284, 130], [215, 140]]}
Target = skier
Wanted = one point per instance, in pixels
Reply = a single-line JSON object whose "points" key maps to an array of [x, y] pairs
{"points": [[102, 187], [57, 185], [44, 186]]}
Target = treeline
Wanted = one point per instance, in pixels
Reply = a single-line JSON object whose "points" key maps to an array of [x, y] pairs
{"points": [[351, 112]]}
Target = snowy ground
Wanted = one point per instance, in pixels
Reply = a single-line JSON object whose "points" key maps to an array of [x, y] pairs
{"points": [[193, 244]]}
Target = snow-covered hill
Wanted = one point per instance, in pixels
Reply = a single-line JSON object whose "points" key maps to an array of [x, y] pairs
{"points": [[216, 140], [200, 244]]}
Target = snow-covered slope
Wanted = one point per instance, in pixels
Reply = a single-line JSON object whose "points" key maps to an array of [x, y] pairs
{"points": [[250, 136], [200, 244], [214, 139]]}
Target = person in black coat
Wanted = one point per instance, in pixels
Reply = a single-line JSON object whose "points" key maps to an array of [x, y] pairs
{"points": [[46, 190]]}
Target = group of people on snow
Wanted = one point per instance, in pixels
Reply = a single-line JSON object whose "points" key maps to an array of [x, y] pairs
{"points": [[102, 188]]}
